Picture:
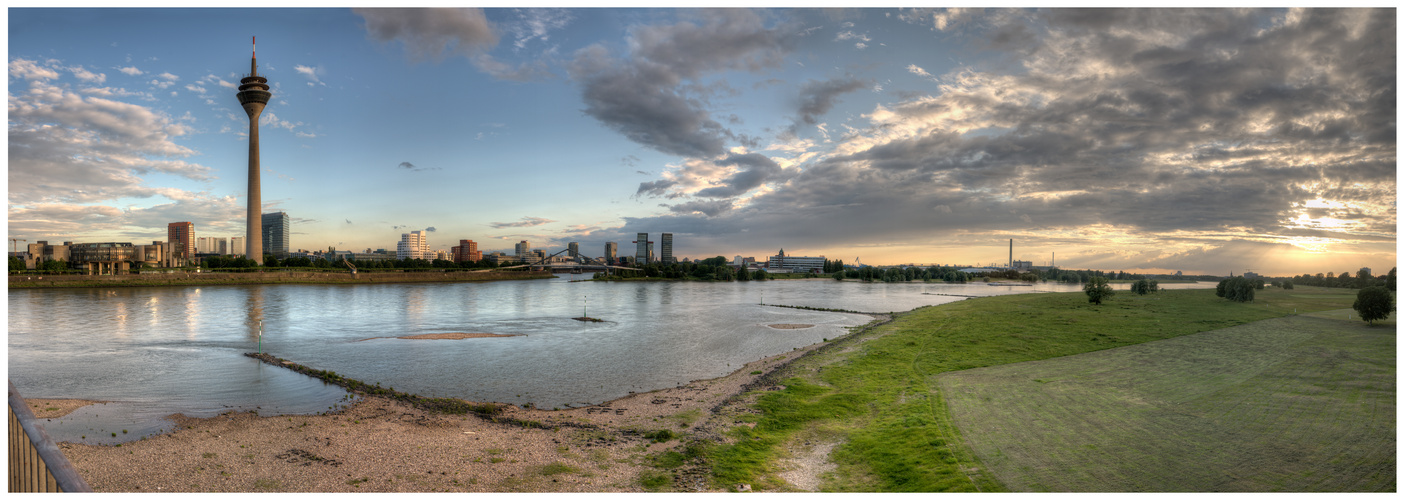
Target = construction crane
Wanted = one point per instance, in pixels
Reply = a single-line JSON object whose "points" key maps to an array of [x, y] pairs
{"points": [[13, 247]]}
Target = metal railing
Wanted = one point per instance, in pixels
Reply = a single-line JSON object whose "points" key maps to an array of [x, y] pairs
{"points": [[36, 464]]}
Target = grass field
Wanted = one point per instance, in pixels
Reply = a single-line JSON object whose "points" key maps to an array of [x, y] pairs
{"points": [[1287, 404], [877, 394]]}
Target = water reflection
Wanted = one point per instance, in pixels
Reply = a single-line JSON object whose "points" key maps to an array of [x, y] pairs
{"points": [[254, 305]]}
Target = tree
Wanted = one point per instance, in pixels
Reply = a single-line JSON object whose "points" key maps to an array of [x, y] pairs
{"points": [[1390, 280], [1287, 285], [1222, 288], [760, 275], [16, 264], [1237, 289], [1141, 287], [1373, 303], [743, 274], [1097, 290], [839, 275]]}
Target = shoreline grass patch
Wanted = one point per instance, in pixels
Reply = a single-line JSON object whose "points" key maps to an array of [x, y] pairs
{"points": [[877, 389]]}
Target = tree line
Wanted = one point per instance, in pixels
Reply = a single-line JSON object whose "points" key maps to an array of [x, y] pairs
{"points": [[1362, 279]]}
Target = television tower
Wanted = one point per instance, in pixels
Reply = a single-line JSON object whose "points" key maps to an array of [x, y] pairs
{"points": [[254, 95]]}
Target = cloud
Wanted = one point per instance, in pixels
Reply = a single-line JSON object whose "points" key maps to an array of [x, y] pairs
{"points": [[536, 25], [411, 167], [1150, 132], [311, 74], [87, 76], [710, 208], [818, 97], [430, 33], [130, 70], [756, 169], [525, 222], [31, 70], [430, 229], [647, 94]]}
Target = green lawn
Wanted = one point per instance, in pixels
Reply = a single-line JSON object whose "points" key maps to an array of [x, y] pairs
{"points": [[876, 392], [1287, 404]]}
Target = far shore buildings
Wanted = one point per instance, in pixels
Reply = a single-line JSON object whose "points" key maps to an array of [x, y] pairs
{"points": [[790, 263], [611, 249], [180, 241], [99, 258]]}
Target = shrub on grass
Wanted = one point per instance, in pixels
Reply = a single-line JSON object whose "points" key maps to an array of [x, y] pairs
{"points": [[1373, 303], [1097, 290]]}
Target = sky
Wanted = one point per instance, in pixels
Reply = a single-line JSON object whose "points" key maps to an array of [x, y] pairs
{"points": [[1195, 140]]}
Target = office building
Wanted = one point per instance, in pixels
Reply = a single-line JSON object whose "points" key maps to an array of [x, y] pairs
{"points": [[793, 264], [466, 251], [275, 234], [413, 245], [666, 248], [573, 249], [611, 248], [237, 246], [180, 242], [41, 251], [524, 250], [643, 249], [253, 96], [222, 246]]}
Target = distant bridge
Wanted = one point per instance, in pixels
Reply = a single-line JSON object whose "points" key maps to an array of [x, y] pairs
{"points": [[572, 267]]}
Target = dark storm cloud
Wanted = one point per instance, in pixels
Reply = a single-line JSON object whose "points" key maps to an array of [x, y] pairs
{"points": [[818, 97], [654, 96]]}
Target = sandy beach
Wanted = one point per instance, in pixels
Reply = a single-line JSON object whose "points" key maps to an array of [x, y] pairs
{"points": [[385, 445]]}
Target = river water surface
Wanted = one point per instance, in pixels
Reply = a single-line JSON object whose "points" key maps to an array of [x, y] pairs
{"points": [[156, 351]]}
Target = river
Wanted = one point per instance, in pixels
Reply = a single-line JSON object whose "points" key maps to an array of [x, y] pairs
{"points": [[152, 352]]}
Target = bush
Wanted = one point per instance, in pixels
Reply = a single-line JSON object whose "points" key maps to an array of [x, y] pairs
{"points": [[1373, 303], [1097, 290], [1238, 289]]}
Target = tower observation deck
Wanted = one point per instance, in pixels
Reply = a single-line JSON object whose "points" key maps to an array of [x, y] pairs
{"points": [[253, 96]]}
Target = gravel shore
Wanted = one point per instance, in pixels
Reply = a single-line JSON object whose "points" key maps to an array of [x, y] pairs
{"points": [[384, 445]]}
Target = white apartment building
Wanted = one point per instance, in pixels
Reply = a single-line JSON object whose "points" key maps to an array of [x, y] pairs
{"points": [[413, 245], [237, 246]]}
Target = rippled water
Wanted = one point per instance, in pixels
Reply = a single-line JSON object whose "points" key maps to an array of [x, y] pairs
{"points": [[157, 351]]}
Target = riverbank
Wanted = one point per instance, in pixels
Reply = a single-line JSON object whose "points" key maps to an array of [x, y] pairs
{"points": [[389, 444], [264, 278]]}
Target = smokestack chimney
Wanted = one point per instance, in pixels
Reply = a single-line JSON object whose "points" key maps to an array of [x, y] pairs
{"points": [[1011, 262]]}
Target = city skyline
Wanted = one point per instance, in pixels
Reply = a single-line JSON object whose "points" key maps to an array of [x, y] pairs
{"points": [[1203, 141]]}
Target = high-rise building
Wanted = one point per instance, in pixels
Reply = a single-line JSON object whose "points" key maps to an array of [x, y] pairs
{"points": [[237, 246], [222, 246], [643, 249], [524, 250], [466, 251], [573, 249], [275, 234], [253, 96], [666, 248], [413, 245], [611, 248], [180, 236]]}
